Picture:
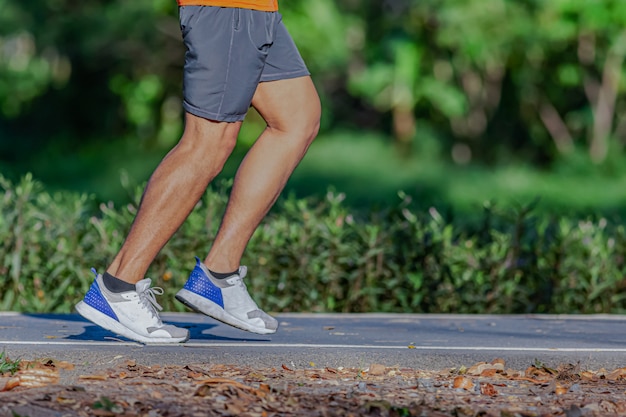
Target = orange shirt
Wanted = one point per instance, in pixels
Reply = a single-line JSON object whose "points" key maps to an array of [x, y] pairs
{"points": [[264, 5]]}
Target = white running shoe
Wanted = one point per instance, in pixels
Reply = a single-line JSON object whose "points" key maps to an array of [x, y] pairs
{"points": [[132, 314], [226, 300]]}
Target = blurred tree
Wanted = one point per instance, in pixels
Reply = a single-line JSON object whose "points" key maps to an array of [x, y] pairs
{"points": [[498, 75], [578, 59], [88, 68], [495, 79]]}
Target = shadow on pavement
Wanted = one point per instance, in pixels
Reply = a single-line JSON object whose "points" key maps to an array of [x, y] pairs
{"points": [[87, 331]]}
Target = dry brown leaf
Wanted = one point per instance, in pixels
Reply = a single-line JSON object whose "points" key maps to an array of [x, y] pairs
{"points": [[257, 376], [488, 389], [286, 368], [98, 377], [463, 382], [616, 374], [532, 380], [63, 400], [477, 368], [512, 372], [588, 375], [559, 389], [377, 369], [49, 363], [33, 378], [225, 384], [498, 361], [538, 373], [481, 367]]}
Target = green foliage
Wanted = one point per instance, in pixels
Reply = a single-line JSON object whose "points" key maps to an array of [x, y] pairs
{"points": [[321, 255], [8, 365], [107, 405]]}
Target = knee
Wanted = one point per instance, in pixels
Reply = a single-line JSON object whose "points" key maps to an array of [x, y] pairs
{"points": [[308, 130], [312, 119], [302, 124], [207, 143]]}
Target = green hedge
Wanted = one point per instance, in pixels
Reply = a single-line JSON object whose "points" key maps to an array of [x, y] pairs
{"points": [[318, 255]]}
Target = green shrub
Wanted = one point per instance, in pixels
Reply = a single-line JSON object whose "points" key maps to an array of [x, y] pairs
{"points": [[319, 255]]}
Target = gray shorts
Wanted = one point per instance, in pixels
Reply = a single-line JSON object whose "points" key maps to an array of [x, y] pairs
{"points": [[229, 52]]}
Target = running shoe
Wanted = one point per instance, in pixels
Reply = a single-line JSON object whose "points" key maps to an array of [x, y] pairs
{"points": [[132, 314], [226, 300]]}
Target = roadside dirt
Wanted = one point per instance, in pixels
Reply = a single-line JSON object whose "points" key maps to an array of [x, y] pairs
{"points": [[484, 389]]}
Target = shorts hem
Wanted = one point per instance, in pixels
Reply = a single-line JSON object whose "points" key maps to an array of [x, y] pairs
{"points": [[284, 75], [230, 118]]}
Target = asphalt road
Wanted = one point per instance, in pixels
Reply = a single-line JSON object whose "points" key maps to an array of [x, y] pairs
{"points": [[432, 342]]}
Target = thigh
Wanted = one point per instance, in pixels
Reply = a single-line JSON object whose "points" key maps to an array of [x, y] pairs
{"points": [[288, 104]]}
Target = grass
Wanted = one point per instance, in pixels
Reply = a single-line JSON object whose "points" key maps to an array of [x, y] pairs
{"points": [[7, 365]]}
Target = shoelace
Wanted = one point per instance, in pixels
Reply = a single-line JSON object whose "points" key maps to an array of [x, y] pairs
{"points": [[148, 299], [243, 270]]}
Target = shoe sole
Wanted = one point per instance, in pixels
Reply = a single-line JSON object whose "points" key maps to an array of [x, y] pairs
{"points": [[209, 308], [116, 327]]}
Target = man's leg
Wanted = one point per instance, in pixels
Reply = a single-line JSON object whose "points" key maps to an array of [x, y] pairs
{"points": [[127, 306], [172, 192], [292, 111]]}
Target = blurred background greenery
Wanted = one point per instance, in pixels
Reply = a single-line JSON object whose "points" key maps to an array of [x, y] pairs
{"points": [[471, 156], [455, 102]]}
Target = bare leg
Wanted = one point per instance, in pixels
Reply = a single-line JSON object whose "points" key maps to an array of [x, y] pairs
{"points": [[291, 109], [173, 190]]}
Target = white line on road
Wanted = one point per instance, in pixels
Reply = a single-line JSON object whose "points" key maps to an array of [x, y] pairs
{"points": [[321, 346]]}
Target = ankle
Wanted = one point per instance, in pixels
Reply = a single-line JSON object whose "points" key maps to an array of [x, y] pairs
{"points": [[114, 284]]}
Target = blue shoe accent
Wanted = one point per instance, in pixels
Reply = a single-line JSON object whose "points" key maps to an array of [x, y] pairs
{"points": [[200, 284], [95, 299]]}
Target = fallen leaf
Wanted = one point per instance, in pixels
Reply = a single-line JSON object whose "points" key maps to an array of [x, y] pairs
{"points": [[588, 375], [480, 367], [376, 369], [498, 361], [463, 382], [286, 368], [616, 374], [99, 377], [488, 389], [542, 373], [559, 389], [32, 378], [225, 382], [64, 365]]}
